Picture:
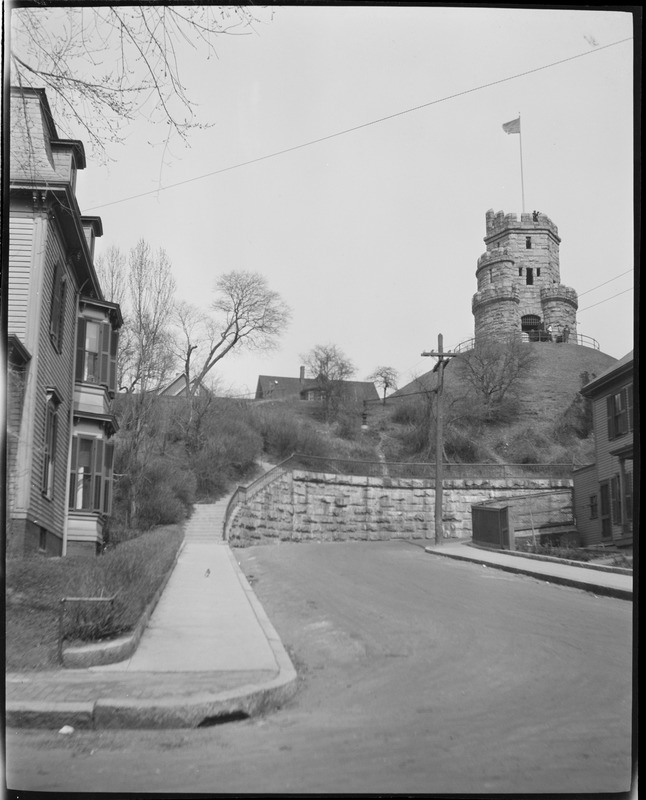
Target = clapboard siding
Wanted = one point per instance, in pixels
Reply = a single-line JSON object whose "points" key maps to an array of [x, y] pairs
{"points": [[55, 370], [21, 240], [585, 486]]}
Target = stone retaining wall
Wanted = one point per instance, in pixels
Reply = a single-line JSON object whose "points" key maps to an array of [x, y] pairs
{"points": [[308, 506]]}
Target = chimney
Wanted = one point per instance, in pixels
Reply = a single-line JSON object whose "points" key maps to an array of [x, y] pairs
{"points": [[302, 375]]}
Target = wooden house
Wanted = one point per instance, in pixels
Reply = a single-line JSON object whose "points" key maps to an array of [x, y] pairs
{"points": [[62, 346], [603, 491], [275, 387]]}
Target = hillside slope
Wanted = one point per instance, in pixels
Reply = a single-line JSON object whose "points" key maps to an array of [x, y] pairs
{"points": [[551, 387]]}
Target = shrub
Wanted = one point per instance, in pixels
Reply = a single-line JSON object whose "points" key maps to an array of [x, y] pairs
{"points": [[133, 571], [284, 433], [164, 494]]}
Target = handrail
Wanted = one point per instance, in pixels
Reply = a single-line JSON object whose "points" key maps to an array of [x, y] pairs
{"points": [[395, 469], [244, 493], [541, 337]]}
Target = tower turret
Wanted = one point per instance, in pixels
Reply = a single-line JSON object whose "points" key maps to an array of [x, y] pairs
{"points": [[519, 281]]}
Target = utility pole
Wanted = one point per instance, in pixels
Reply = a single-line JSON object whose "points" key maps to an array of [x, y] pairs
{"points": [[442, 360]]}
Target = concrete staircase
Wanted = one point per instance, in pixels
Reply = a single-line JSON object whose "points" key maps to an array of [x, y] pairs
{"points": [[207, 523]]}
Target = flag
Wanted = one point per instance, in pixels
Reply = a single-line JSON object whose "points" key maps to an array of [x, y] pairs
{"points": [[512, 127]]}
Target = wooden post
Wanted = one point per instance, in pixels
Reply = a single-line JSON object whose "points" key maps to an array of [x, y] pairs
{"points": [[443, 360]]}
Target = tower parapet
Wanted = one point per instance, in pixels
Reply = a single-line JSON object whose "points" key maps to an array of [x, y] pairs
{"points": [[519, 282]]}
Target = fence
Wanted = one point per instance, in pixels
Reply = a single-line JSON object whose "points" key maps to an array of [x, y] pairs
{"points": [[535, 336], [422, 470], [536, 518]]}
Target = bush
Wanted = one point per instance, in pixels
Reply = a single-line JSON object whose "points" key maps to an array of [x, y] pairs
{"points": [[133, 571], [284, 433], [165, 493]]}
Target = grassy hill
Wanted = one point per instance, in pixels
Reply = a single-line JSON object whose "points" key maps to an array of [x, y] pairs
{"points": [[547, 422]]}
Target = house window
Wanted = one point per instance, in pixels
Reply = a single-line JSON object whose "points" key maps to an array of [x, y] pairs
{"points": [[49, 442], [91, 474], [57, 311], [615, 499], [42, 540], [620, 412], [627, 469], [96, 353], [528, 243], [529, 279], [594, 506]]}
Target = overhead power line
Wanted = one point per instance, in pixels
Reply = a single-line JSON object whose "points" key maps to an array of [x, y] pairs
{"points": [[606, 299], [610, 280], [357, 127]]}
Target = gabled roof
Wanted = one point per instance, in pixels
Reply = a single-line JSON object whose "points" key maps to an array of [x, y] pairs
{"points": [[620, 369], [277, 387]]}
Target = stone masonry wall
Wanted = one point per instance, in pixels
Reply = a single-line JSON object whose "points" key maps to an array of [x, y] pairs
{"points": [[303, 506]]}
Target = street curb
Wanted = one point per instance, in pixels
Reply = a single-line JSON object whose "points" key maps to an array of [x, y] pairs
{"points": [[123, 647], [32, 714], [607, 591], [205, 709], [202, 709], [553, 560]]}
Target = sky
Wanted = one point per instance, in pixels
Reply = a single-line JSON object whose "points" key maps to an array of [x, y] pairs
{"points": [[372, 237]]}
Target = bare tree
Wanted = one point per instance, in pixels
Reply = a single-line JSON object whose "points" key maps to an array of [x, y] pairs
{"points": [[386, 377], [148, 353], [330, 367], [495, 371], [112, 274], [247, 314], [103, 65]]}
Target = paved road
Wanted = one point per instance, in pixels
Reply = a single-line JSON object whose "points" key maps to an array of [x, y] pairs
{"points": [[419, 675]]}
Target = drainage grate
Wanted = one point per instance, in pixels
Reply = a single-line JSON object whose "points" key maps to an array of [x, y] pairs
{"points": [[220, 719]]}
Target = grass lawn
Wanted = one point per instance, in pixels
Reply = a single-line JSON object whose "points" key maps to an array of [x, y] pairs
{"points": [[133, 571]]}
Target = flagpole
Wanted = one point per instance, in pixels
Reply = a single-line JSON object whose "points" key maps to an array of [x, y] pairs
{"points": [[520, 142]]}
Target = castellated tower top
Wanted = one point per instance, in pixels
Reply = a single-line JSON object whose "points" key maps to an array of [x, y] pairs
{"points": [[499, 222], [519, 282]]}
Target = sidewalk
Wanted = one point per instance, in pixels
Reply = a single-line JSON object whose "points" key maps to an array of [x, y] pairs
{"points": [[209, 653], [610, 581]]}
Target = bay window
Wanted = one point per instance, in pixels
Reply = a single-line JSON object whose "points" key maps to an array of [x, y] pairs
{"points": [[96, 353], [91, 474]]}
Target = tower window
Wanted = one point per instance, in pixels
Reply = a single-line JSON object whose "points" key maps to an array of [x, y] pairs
{"points": [[490, 276], [520, 272], [530, 277], [538, 272], [528, 242]]}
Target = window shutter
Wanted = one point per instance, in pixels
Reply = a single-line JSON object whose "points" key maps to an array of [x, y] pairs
{"points": [[44, 480], [55, 312], [629, 404], [98, 473], [114, 343], [615, 492], [107, 475], [610, 409], [80, 348], [104, 353], [61, 319], [73, 466]]}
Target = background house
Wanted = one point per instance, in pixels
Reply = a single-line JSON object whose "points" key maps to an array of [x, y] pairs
{"points": [[63, 339], [603, 491], [275, 387]]}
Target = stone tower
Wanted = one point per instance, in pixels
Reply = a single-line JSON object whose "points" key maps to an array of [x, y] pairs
{"points": [[519, 281]]}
